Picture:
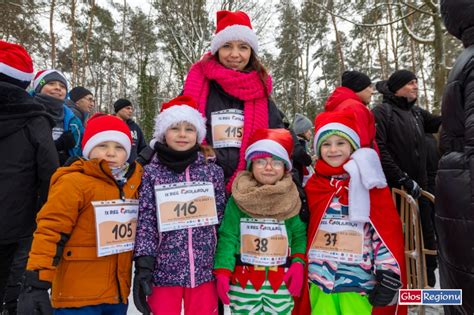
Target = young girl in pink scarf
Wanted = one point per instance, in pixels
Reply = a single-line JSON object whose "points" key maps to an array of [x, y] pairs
{"points": [[232, 89]]}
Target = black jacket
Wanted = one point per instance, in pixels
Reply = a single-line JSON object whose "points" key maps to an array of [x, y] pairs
{"points": [[28, 158], [218, 99], [454, 207], [138, 138], [400, 136]]}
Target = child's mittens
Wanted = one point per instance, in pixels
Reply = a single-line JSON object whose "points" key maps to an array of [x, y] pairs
{"points": [[142, 282], [386, 290], [294, 278], [223, 284]]}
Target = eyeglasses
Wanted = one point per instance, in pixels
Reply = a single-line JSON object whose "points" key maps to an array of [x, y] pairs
{"points": [[262, 163]]}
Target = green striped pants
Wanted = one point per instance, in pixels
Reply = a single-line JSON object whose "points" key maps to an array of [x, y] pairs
{"points": [[263, 301]]}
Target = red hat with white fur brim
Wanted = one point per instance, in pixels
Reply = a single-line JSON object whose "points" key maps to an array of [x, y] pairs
{"points": [[179, 109], [15, 62], [233, 26], [102, 128], [277, 142]]}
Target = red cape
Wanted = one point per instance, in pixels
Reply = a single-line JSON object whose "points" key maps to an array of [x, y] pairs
{"points": [[384, 218]]}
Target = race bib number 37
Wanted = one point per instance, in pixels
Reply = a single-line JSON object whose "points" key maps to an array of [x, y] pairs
{"points": [[227, 128], [263, 242], [185, 205], [116, 224]]}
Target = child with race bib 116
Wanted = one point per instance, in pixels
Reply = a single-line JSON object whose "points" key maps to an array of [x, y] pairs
{"points": [[355, 243], [182, 199], [259, 262], [83, 244]]}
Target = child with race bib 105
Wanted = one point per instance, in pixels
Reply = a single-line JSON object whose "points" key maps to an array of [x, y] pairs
{"points": [[259, 262], [355, 242], [182, 199], [83, 244]]}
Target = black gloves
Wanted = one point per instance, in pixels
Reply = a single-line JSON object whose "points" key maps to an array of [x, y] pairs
{"points": [[65, 141], [34, 298], [385, 291], [145, 155], [142, 282], [410, 186]]}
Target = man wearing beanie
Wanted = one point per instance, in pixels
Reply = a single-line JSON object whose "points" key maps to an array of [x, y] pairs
{"points": [[454, 216], [302, 160], [401, 128], [124, 110], [355, 94], [28, 158], [82, 103]]}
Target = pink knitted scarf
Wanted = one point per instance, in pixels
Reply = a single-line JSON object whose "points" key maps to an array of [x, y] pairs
{"points": [[245, 86]]}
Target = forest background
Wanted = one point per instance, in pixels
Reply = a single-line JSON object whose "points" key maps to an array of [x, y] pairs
{"points": [[142, 50]]}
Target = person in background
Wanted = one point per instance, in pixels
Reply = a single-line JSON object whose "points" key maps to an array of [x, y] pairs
{"points": [[28, 158], [83, 103], [50, 89], [124, 110], [454, 192], [302, 160]]}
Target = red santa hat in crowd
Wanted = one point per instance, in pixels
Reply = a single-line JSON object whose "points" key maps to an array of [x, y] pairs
{"points": [[45, 76], [233, 26], [276, 143], [102, 128], [179, 109], [16, 66]]}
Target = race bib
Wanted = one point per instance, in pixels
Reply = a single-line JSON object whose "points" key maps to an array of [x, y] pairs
{"points": [[116, 225], [185, 205], [338, 240], [57, 132], [227, 128], [263, 242]]}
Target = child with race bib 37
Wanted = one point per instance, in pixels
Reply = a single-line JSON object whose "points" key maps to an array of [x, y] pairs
{"points": [[83, 244], [259, 262], [355, 243], [182, 199]]}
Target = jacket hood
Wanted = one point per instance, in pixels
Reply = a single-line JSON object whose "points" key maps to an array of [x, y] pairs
{"points": [[458, 19], [17, 107], [389, 97], [339, 95]]}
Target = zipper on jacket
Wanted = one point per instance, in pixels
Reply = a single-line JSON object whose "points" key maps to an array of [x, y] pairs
{"points": [[190, 244]]}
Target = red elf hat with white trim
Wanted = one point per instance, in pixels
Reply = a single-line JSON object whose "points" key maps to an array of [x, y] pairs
{"points": [[179, 109], [102, 128], [233, 26], [276, 142], [339, 123], [15, 63]]}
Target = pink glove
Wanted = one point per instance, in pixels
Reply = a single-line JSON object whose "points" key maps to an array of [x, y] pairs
{"points": [[294, 278], [223, 287]]}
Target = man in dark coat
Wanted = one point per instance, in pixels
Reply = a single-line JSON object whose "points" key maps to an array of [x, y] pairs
{"points": [[400, 136], [124, 110], [28, 157], [454, 209]]}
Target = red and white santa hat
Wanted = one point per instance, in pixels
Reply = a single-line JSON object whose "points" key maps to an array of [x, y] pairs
{"points": [[179, 109], [45, 76], [277, 143], [233, 26], [15, 64], [340, 123], [103, 127]]}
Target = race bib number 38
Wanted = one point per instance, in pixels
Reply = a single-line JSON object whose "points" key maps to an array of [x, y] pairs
{"points": [[185, 205], [338, 240], [227, 128], [263, 242], [116, 224]]}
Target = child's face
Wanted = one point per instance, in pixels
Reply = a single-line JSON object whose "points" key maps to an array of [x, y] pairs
{"points": [[335, 150], [55, 89], [181, 137], [113, 152], [268, 171]]}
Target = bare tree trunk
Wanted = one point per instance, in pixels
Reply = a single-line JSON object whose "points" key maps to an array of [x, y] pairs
{"points": [[85, 57], [72, 22], [122, 72], [51, 35], [392, 39], [338, 44]]}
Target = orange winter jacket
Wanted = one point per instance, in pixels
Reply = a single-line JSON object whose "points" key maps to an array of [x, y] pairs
{"points": [[64, 247]]}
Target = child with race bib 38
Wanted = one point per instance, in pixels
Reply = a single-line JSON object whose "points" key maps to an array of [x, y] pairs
{"points": [[355, 242], [259, 262], [182, 199], [83, 244]]}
